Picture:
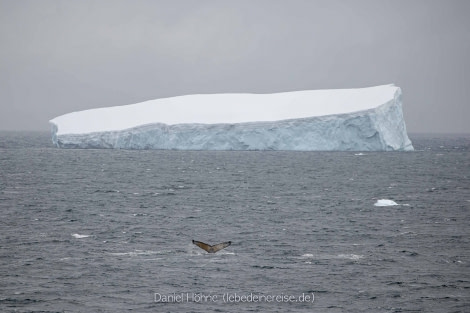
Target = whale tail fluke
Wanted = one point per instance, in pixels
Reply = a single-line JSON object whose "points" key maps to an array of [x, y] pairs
{"points": [[214, 248]]}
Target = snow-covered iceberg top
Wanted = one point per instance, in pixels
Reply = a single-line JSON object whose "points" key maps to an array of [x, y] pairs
{"points": [[242, 122], [225, 109]]}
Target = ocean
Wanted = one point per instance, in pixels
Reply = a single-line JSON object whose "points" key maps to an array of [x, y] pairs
{"points": [[112, 230]]}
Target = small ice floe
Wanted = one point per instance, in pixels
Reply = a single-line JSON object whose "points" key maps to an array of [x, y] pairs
{"points": [[385, 202], [78, 236], [360, 153]]}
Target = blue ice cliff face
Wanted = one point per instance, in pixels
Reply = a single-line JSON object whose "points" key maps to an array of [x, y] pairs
{"points": [[377, 129]]}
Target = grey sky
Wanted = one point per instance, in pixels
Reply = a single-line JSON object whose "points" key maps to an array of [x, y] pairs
{"points": [[63, 56]]}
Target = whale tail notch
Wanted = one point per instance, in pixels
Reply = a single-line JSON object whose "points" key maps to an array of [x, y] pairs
{"points": [[214, 248]]}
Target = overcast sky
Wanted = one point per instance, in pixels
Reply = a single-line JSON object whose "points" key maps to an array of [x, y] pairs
{"points": [[62, 56]]}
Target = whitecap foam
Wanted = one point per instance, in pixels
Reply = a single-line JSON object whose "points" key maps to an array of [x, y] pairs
{"points": [[136, 253], [410, 233], [226, 252], [354, 257]]}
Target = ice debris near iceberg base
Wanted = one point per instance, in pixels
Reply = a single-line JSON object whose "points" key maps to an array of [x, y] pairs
{"points": [[365, 119]]}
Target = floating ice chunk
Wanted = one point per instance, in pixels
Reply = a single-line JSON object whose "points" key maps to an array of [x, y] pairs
{"points": [[78, 236], [385, 202]]}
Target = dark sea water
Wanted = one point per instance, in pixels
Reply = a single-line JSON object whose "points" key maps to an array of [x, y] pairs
{"points": [[111, 230]]}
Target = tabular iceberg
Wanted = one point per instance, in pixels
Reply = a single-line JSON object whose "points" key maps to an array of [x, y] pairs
{"points": [[364, 119]]}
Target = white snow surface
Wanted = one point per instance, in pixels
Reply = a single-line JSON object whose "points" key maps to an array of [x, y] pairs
{"points": [[336, 119]]}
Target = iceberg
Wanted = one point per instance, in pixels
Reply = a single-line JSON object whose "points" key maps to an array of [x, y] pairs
{"points": [[362, 119]]}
